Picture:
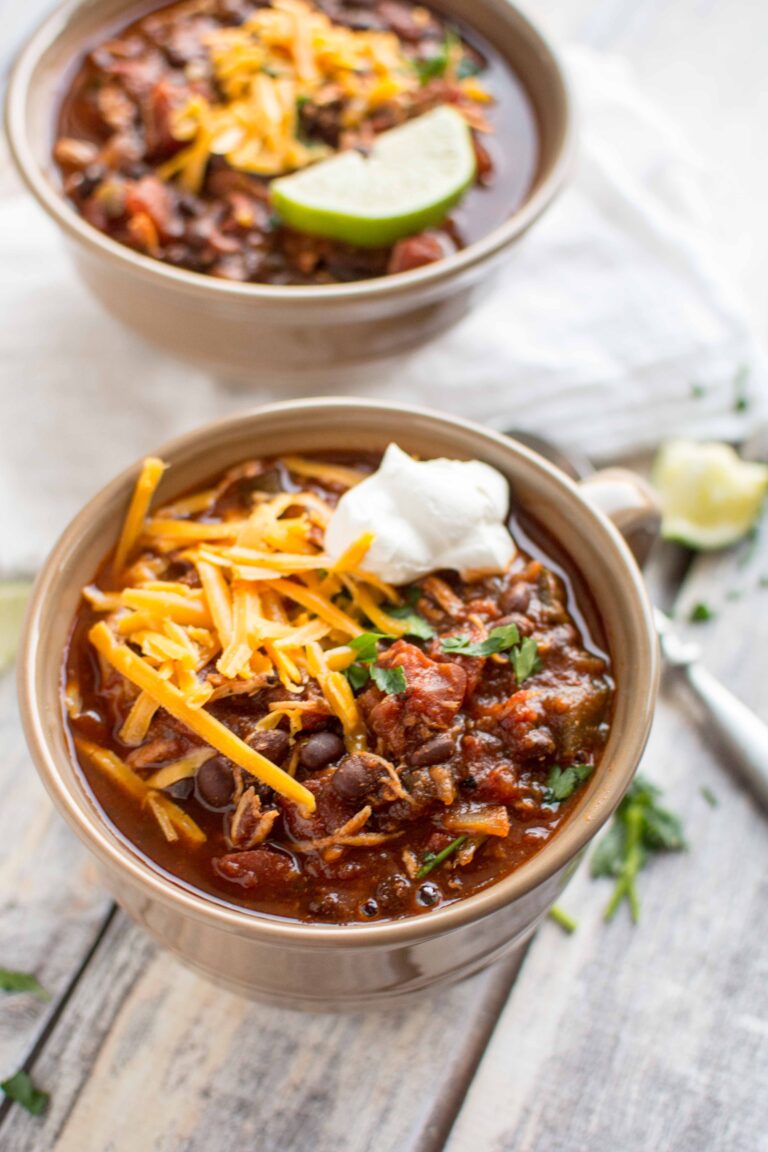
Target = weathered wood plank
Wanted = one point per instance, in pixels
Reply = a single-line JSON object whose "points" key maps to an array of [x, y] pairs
{"points": [[654, 1036], [149, 1056], [51, 907]]}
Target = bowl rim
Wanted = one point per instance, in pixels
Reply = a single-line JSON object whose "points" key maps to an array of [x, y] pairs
{"points": [[116, 852], [196, 283]]}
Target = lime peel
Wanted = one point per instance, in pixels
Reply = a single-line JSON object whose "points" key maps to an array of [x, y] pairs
{"points": [[410, 180], [710, 497]]}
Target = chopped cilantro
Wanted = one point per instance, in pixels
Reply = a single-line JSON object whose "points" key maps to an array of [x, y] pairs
{"points": [[432, 859], [701, 612], [430, 67], [358, 676], [390, 680], [12, 981], [563, 782], [639, 827], [365, 645], [415, 624], [20, 1088], [525, 659], [524, 654], [698, 391], [560, 917], [497, 640]]}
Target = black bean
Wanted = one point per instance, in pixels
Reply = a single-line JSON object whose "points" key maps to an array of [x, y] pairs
{"points": [[369, 908], [215, 783], [428, 895], [272, 743], [356, 775], [320, 750], [435, 751]]}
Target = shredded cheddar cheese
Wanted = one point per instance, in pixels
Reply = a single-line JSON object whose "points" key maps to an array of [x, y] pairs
{"points": [[151, 472], [282, 56], [204, 607]]}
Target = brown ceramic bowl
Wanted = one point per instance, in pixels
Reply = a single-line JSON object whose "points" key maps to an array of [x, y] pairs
{"points": [[322, 966], [252, 330]]}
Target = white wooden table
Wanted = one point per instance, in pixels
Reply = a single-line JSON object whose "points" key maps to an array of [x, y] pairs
{"points": [[615, 1039]]}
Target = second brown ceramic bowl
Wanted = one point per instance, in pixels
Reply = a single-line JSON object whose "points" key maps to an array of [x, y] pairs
{"points": [[330, 966], [250, 331]]}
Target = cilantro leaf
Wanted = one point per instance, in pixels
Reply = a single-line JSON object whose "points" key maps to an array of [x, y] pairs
{"points": [[20, 1088], [563, 782], [12, 981], [390, 680], [608, 855], [525, 659], [430, 67], [700, 613], [498, 640], [640, 827], [663, 830], [415, 624], [365, 645], [358, 676]]}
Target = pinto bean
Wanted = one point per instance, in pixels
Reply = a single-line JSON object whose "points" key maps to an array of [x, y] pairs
{"points": [[435, 751], [320, 750]]}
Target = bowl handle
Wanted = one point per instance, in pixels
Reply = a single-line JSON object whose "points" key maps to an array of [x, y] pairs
{"points": [[630, 504]]}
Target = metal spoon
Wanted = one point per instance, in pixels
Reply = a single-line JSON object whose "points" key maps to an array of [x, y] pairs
{"points": [[742, 734]]}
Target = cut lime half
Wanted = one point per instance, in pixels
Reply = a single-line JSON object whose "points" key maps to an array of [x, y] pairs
{"points": [[13, 602], [412, 177], [710, 497]]}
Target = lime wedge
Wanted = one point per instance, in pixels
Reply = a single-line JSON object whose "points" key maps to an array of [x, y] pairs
{"points": [[409, 181], [13, 601], [710, 497]]}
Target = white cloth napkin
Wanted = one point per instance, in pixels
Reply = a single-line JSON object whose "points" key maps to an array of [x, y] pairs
{"points": [[612, 328]]}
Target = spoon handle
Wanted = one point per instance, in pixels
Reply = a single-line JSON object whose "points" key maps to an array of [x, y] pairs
{"points": [[742, 733]]}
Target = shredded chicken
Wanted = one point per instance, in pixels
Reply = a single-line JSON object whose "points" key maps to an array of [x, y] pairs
{"points": [[250, 825], [445, 597], [445, 786], [348, 836]]}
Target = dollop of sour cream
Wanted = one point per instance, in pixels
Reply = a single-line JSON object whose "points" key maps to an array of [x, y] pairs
{"points": [[426, 515]]}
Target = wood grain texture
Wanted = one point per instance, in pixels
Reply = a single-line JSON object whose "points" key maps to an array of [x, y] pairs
{"points": [[148, 1057], [655, 1036], [51, 907]]}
